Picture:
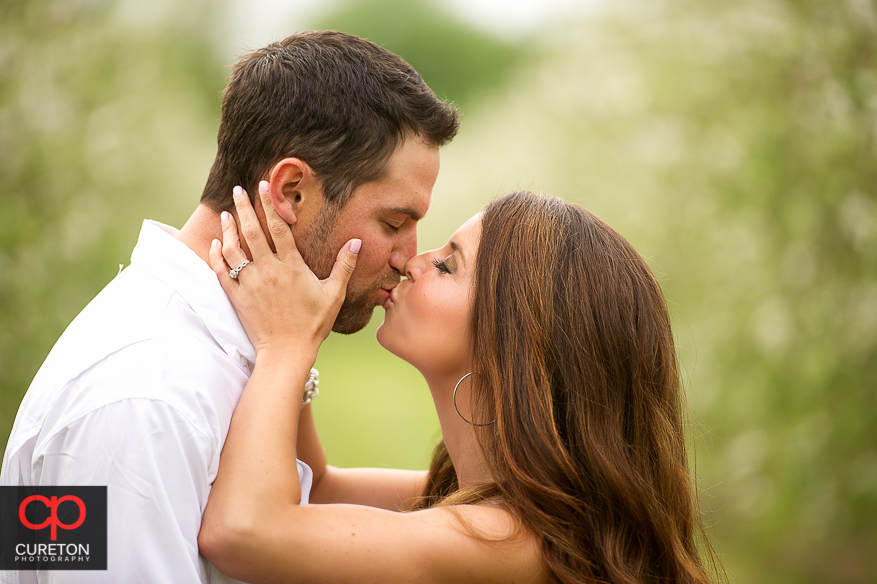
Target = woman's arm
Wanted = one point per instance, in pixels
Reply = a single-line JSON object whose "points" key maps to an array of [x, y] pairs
{"points": [[385, 488], [255, 530], [287, 313], [360, 545], [254, 527], [391, 489], [310, 449]]}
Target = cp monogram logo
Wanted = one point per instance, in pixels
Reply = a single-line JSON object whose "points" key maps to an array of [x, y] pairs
{"points": [[52, 505]]}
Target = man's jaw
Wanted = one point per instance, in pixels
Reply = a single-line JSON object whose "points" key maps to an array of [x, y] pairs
{"points": [[357, 310]]}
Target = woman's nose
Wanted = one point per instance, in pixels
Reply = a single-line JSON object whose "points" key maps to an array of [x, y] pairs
{"points": [[415, 266]]}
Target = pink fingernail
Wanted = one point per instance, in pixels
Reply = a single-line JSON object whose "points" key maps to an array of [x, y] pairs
{"points": [[263, 186], [215, 243], [224, 217], [237, 191], [355, 245]]}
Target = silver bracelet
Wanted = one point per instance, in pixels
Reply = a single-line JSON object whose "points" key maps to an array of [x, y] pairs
{"points": [[311, 387]]}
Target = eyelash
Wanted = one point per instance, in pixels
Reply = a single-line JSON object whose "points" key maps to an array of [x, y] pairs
{"points": [[393, 228], [441, 266]]}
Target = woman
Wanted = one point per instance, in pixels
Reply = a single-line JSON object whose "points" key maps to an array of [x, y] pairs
{"points": [[546, 344]]}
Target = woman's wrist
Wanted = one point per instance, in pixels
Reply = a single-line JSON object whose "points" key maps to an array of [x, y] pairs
{"points": [[287, 355], [291, 369]]}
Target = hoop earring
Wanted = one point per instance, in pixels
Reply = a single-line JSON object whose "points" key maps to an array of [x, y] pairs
{"points": [[455, 403]]}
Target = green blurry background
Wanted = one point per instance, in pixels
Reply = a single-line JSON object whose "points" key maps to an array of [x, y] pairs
{"points": [[732, 142]]}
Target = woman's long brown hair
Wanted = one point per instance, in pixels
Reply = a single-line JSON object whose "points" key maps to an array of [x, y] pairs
{"points": [[574, 359]]}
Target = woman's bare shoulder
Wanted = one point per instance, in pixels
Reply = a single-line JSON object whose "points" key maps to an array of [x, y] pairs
{"points": [[488, 539]]}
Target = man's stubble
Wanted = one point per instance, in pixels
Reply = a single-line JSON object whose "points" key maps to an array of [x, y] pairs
{"points": [[317, 248]]}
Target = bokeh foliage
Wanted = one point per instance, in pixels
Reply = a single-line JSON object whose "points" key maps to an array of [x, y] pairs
{"points": [[735, 144], [101, 124], [458, 61]]}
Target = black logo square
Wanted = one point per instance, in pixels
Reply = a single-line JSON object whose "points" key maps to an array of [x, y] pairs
{"points": [[53, 528]]}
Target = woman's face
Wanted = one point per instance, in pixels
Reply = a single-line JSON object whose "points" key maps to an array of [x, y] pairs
{"points": [[427, 315]]}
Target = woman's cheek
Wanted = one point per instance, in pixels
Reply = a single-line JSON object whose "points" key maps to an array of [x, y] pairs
{"points": [[447, 330]]}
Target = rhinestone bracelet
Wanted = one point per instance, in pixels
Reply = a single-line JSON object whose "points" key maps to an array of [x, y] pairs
{"points": [[311, 387]]}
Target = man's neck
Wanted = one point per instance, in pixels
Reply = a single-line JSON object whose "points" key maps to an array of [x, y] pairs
{"points": [[200, 231]]}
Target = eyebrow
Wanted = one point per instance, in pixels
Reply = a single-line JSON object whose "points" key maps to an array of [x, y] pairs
{"points": [[457, 249], [406, 211]]}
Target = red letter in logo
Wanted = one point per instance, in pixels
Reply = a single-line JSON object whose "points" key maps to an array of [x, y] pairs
{"points": [[52, 505]]}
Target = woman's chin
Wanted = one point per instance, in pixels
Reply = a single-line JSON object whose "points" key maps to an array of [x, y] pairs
{"points": [[391, 343], [384, 338]]}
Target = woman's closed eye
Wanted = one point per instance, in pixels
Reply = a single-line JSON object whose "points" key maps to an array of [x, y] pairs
{"points": [[441, 265]]}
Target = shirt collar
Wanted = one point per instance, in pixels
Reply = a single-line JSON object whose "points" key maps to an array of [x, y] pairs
{"points": [[162, 255]]}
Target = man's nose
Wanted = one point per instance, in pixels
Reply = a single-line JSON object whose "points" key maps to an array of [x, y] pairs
{"points": [[405, 249]]}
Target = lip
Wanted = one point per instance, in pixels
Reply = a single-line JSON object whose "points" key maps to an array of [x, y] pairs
{"points": [[389, 296]]}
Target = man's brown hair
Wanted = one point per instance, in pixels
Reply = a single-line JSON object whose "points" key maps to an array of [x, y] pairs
{"points": [[340, 103]]}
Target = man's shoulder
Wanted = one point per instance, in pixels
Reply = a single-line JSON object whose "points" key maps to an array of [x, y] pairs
{"points": [[136, 339], [123, 320]]}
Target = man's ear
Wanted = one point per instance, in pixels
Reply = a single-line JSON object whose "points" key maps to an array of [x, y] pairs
{"points": [[292, 187]]}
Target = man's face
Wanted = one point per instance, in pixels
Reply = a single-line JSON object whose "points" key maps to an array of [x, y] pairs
{"points": [[384, 215]]}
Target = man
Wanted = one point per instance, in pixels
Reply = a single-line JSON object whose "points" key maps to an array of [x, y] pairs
{"points": [[138, 393]]}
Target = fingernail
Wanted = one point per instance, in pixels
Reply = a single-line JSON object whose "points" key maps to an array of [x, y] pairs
{"points": [[263, 186], [215, 243], [224, 217], [355, 245], [237, 191]]}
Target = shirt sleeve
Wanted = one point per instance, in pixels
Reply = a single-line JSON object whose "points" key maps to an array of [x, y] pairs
{"points": [[155, 465]]}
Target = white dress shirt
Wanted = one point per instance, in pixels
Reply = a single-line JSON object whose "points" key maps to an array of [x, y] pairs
{"points": [[137, 395]]}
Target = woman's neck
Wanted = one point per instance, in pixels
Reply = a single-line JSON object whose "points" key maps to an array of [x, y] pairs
{"points": [[458, 435]]}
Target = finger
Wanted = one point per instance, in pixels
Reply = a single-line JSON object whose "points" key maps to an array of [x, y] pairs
{"points": [[250, 227], [278, 228], [231, 244], [219, 266], [345, 264]]}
